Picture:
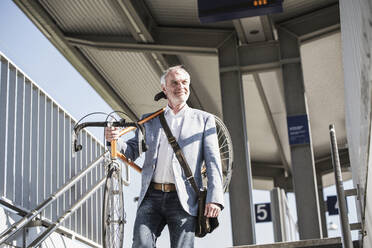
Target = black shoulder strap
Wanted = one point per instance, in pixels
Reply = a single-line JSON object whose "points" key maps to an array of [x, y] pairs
{"points": [[177, 150]]}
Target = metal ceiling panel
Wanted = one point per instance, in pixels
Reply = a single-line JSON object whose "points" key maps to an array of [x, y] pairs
{"points": [[253, 29], [294, 8], [262, 143], [86, 16], [324, 87], [205, 81], [130, 75], [179, 13]]}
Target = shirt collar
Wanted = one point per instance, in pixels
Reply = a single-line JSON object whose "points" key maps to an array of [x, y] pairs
{"points": [[168, 111]]}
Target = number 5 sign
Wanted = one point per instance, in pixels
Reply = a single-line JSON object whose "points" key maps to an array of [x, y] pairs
{"points": [[263, 212]]}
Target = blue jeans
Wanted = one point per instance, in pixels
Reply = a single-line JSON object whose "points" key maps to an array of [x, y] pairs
{"points": [[157, 210]]}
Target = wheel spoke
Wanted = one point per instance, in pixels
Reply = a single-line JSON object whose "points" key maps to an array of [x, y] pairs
{"points": [[223, 153], [113, 210], [226, 151]]}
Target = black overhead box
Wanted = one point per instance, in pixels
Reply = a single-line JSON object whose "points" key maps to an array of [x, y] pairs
{"points": [[221, 10]]}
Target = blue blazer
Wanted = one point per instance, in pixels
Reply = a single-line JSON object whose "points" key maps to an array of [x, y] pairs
{"points": [[198, 141]]}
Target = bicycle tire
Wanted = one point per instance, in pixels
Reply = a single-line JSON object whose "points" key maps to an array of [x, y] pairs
{"points": [[113, 215], [226, 154]]}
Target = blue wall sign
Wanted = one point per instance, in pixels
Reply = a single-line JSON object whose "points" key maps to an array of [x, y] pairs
{"points": [[263, 212], [332, 205], [298, 130]]}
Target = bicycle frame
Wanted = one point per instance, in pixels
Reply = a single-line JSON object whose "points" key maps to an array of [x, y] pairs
{"points": [[113, 213], [115, 154]]}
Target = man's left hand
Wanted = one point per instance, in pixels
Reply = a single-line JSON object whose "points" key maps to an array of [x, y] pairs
{"points": [[212, 210]]}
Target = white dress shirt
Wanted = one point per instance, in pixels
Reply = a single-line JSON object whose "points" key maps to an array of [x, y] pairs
{"points": [[164, 168]]}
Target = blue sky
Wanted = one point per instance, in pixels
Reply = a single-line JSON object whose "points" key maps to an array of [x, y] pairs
{"points": [[29, 50]]}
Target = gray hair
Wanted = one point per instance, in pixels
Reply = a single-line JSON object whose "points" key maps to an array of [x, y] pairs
{"points": [[173, 68]]}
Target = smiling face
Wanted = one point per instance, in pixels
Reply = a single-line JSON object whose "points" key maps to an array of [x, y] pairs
{"points": [[177, 87]]}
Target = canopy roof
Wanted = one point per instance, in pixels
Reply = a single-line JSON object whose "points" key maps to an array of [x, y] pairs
{"points": [[122, 46]]}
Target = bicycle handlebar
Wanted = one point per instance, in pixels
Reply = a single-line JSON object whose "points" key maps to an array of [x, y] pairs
{"points": [[121, 123], [78, 128]]}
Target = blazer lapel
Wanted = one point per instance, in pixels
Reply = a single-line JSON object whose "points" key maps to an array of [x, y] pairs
{"points": [[186, 126], [157, 131]]}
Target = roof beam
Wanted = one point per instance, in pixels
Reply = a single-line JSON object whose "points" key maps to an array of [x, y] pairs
{"points": [[266, 170], [257, 57], [168, 40], [267, 165], [261, 172], [268, 27], [274, 130], [240, 31], [191, 37], [120, 44], [314, 24], [325, 165], [36, 13]]}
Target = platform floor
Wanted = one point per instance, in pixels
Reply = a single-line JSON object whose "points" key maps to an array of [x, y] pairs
{"points": [[311, 243]]}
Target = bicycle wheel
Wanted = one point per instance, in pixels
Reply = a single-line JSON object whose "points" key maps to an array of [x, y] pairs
{"points": [[113, 217], [226, 154]]}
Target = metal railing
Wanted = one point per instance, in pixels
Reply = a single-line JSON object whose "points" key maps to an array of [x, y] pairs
{"points": [[7, 234], [60, 220], [36, 155], [344, 220]]}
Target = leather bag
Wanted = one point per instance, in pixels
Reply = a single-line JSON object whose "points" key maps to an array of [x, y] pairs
{"points": [[204, 224]]}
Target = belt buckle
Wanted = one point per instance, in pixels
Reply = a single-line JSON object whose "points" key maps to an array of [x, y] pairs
{"points": [[163, 188]]}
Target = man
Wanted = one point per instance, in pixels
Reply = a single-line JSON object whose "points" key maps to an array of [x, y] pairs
{"points": [[166, 197]]}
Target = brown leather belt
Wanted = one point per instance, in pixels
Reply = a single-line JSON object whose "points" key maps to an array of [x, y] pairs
{"points": [[165, 187]]}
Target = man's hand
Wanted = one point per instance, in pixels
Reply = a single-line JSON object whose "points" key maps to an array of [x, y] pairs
{"points": [[212, 210], [112, 133]]}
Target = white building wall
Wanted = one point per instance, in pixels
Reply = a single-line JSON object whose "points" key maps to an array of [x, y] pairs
{"points": [[356, 31]]}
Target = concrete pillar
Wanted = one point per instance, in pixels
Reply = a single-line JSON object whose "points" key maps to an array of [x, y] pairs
{"points": [[240, 191], [303, 166]]}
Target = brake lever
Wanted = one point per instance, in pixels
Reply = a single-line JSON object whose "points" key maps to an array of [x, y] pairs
{"points": [[75, 146], [143, 146]]}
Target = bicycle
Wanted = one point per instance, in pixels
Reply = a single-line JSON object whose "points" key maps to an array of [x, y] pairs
{"points": [[113, 214]]}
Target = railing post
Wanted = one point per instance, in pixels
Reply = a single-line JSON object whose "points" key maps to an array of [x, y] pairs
{"points": [[344, 220], [278, 215], [37, 242]]}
